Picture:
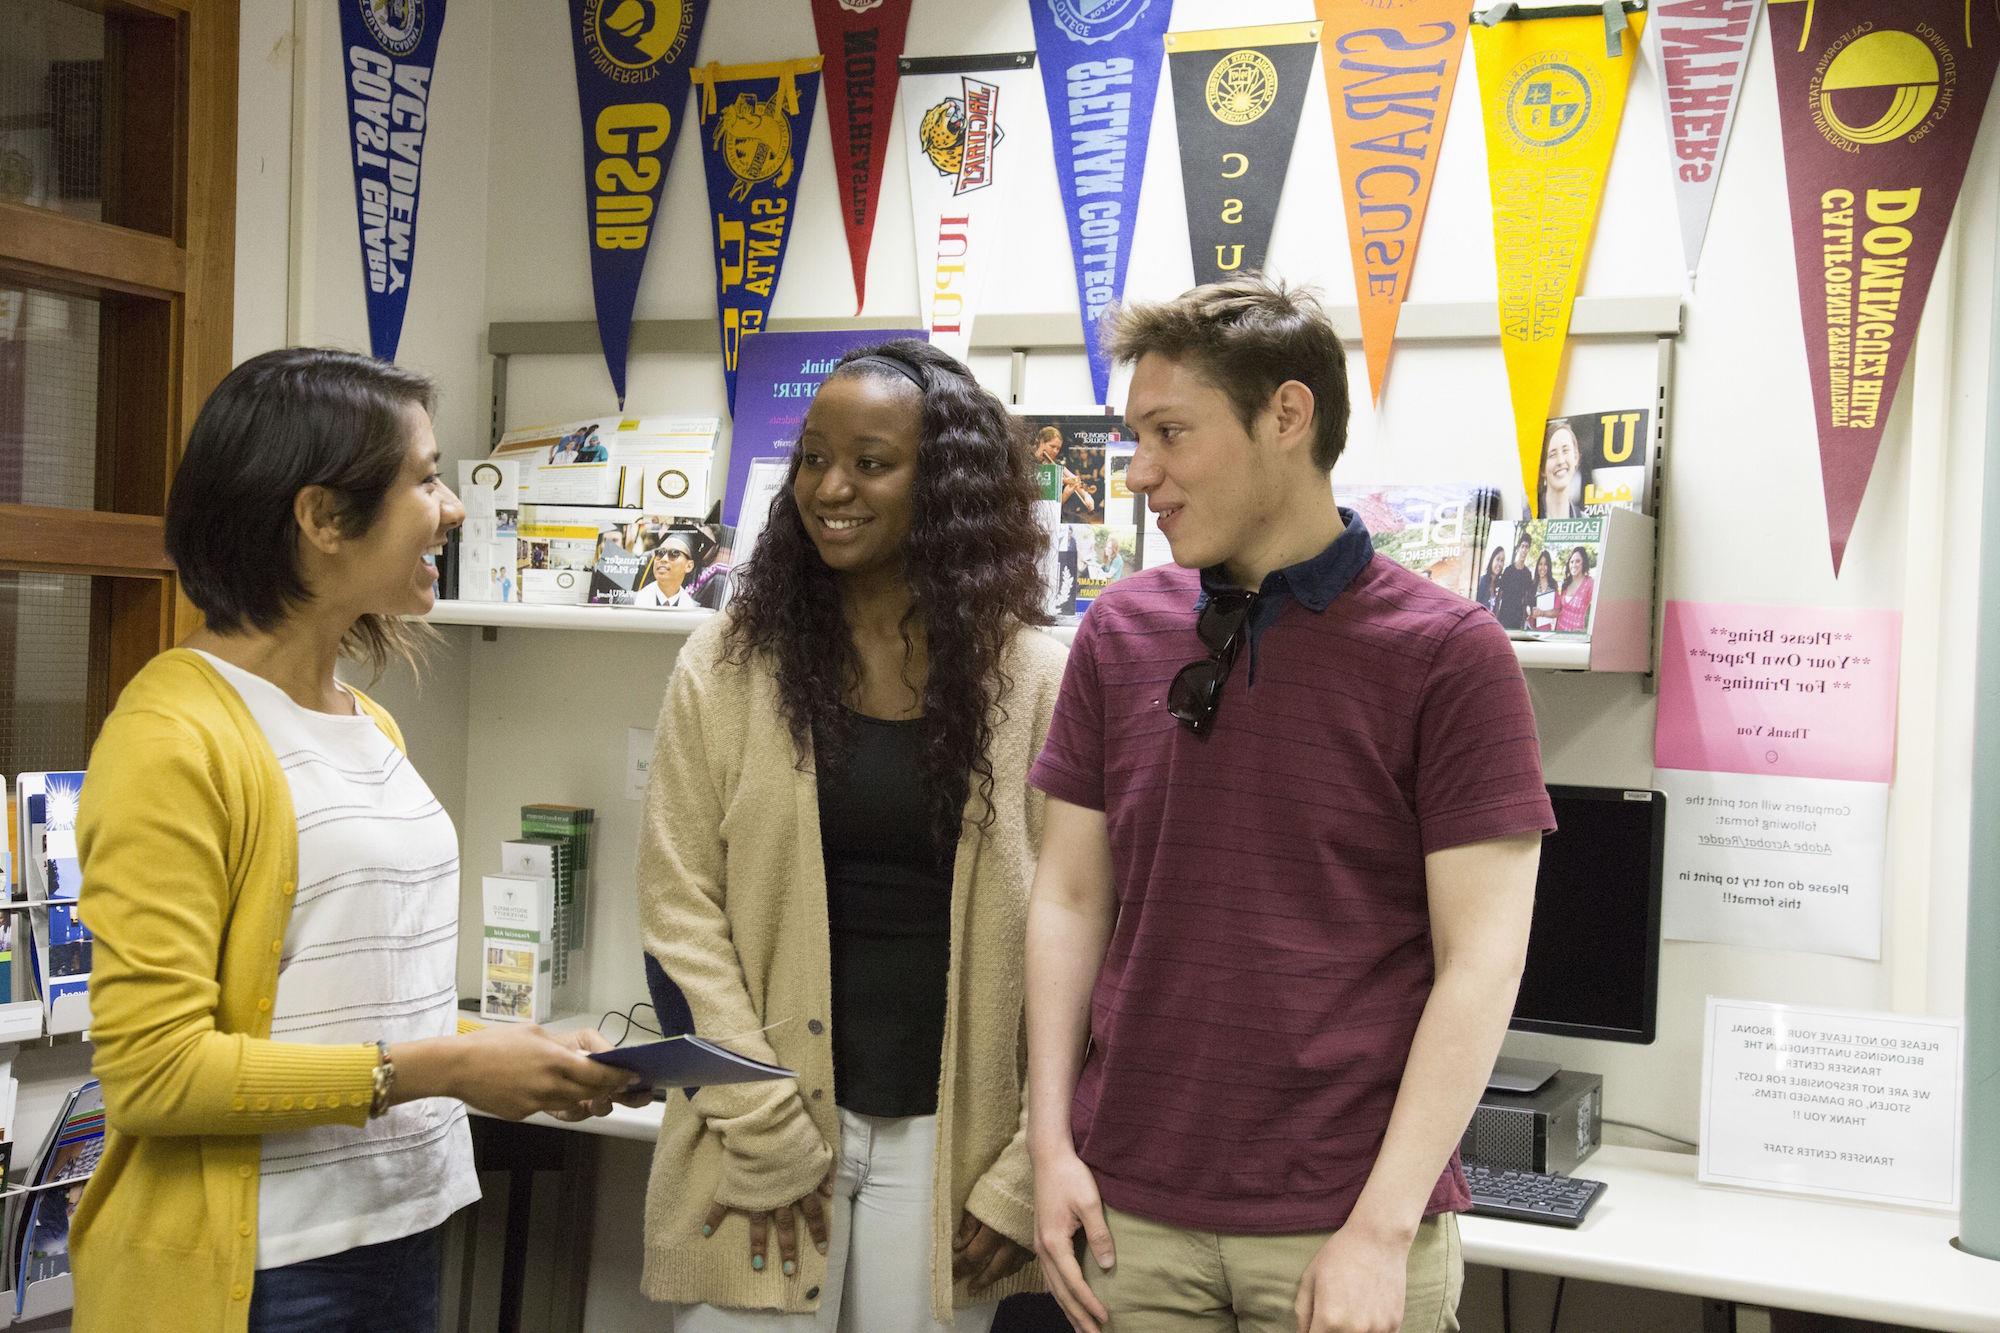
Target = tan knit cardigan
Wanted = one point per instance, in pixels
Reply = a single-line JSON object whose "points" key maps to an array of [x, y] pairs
{"points": [[732, 902]]}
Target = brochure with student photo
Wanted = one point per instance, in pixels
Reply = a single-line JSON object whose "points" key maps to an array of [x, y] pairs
{"points": [[1434, 529], [1593, 462], [1543, 577]]}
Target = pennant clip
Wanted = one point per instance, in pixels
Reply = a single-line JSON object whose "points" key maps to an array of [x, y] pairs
{"points": [[1614, 29], [1493, 15]]}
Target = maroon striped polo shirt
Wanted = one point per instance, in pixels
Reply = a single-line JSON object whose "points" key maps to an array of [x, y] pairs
{"points": [[1272, 950]]}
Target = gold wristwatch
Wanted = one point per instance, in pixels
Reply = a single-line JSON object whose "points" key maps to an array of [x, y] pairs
{"points": [[385, 1079]]}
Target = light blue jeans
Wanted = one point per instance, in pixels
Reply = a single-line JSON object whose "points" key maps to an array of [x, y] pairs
{"points": [[878, 1243]]}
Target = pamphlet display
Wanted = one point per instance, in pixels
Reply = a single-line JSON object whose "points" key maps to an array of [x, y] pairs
{"points": [[1091, 516], [1437, 531], [59, 945], [660, 464], [517, 949], [1548, 586]]}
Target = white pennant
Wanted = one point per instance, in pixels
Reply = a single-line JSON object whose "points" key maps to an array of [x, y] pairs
{"points": [[1701, 48], [968, 134]]}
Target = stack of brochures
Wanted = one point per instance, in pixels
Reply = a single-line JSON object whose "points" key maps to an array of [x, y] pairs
{"points": [[41, 1231], [59, 947]]}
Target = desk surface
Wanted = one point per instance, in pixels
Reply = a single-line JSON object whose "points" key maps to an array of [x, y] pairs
{"points": [[1656, 1227]]}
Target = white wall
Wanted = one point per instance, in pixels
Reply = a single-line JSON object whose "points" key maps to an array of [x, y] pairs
{"points": [[542, 716]]}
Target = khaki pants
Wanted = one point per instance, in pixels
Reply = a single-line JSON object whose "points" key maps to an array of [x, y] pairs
{"points": [[1173, 1280]]}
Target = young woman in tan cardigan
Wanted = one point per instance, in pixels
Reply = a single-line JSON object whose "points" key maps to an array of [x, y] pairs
{"points": [[834, 869]]}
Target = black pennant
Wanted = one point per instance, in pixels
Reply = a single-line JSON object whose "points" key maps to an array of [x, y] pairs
{"points": [[1237, 97]]}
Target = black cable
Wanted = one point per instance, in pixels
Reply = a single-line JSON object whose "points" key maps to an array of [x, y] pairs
{"points": [[1506, 1300], [1627, 1124], [630, 1021], [1556, 1314]]}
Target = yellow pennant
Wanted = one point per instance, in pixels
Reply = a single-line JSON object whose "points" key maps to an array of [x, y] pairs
{"points": [[1551, 96]]}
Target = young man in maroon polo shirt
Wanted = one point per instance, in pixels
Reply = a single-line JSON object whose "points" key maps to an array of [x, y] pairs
{"points": [[1295, 813]]}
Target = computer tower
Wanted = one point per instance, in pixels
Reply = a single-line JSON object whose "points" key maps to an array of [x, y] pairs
{"points": [[1550, 1129]]}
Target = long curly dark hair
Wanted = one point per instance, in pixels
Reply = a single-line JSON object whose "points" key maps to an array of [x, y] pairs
{"points": [[973, 563]]}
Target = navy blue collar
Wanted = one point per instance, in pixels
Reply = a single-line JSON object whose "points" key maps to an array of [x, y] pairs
{"points": [[1312, 583]]}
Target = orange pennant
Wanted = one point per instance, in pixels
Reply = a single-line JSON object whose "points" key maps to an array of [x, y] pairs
{"points": [[1389, 78]]}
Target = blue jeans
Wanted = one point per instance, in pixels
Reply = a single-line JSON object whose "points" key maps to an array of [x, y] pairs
{"points": [[387, 1288]]}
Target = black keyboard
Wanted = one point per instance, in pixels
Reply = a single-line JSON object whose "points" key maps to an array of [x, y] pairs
{"points": [[1530, 1196]]}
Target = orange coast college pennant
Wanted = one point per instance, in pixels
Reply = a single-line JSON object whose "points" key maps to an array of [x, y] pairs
{"points": [[1390, 71], [1879, 101], [755, 120], [1551, 91]]}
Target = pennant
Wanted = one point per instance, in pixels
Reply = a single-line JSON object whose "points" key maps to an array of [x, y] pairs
{"points": [[1702, 47], [755, 120], [390, 53], [1390, 73], [632, 59], [860, 40], [1100, 74], [966, 136], [1879, 101], [1552, 97], [1237, 96]]}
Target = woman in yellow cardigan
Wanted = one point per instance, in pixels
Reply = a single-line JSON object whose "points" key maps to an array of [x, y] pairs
{"points": [[274, 896]]}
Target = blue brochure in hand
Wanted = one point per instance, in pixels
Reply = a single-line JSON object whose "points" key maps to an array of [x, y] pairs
{"points": [[689, 1062]]}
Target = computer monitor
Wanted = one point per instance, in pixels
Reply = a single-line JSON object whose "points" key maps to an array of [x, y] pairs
{"points": [[1594, 947]]}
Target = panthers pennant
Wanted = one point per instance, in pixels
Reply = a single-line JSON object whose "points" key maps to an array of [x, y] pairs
{"points": [[755, 120], [632, 59]]}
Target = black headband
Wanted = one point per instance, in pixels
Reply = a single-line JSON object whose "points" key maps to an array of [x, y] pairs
{"points": [[895, 363]]}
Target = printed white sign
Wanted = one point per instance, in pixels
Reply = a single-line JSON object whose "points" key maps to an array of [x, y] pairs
{"points": [[1827, 1101], [1774, 862]]}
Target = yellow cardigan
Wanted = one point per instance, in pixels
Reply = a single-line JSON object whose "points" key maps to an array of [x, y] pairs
{"points": [[189, 850]]}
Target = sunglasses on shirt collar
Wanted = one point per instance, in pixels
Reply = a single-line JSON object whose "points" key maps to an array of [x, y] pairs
{"points": [[1196, 691]]}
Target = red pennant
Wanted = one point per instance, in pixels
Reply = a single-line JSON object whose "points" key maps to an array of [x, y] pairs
{"points": [[1879, 101], [860, 41]]}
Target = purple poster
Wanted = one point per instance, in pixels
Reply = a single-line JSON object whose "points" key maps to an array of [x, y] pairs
{"points": [[776, 378]]}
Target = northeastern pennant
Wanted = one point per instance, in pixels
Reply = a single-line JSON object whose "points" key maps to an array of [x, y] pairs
{"points": [[967, 130], [390, 53], [1390, 72], [1237, 95], [1552, 97], [860, 40], [1879, 101], [632, 59], [1100, 73], [755, 120], [1703, 46]]}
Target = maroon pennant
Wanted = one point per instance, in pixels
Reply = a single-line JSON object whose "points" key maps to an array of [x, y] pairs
{"points": [[1879, 101], [860, 41]]}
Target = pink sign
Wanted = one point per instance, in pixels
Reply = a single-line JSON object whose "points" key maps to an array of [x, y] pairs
{"points": [[1784, 691]]}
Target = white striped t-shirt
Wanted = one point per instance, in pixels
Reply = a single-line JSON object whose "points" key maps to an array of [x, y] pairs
{"points": [[371, 953]]}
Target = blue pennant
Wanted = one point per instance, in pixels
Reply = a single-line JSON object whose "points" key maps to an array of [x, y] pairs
{"points": [[755, 120], [632, 63], [389, 51], [1100, 64]]}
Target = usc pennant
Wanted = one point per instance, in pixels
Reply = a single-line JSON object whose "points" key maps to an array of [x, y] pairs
{"points": [[1552, 91], [755, 120], [1237, 97]]}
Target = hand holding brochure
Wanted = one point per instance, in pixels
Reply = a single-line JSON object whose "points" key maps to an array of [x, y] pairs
{"points": [[689, 1062]]}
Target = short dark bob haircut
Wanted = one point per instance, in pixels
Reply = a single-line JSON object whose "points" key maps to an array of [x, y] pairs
{"points": [[1247, 335], [278, 423]]}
